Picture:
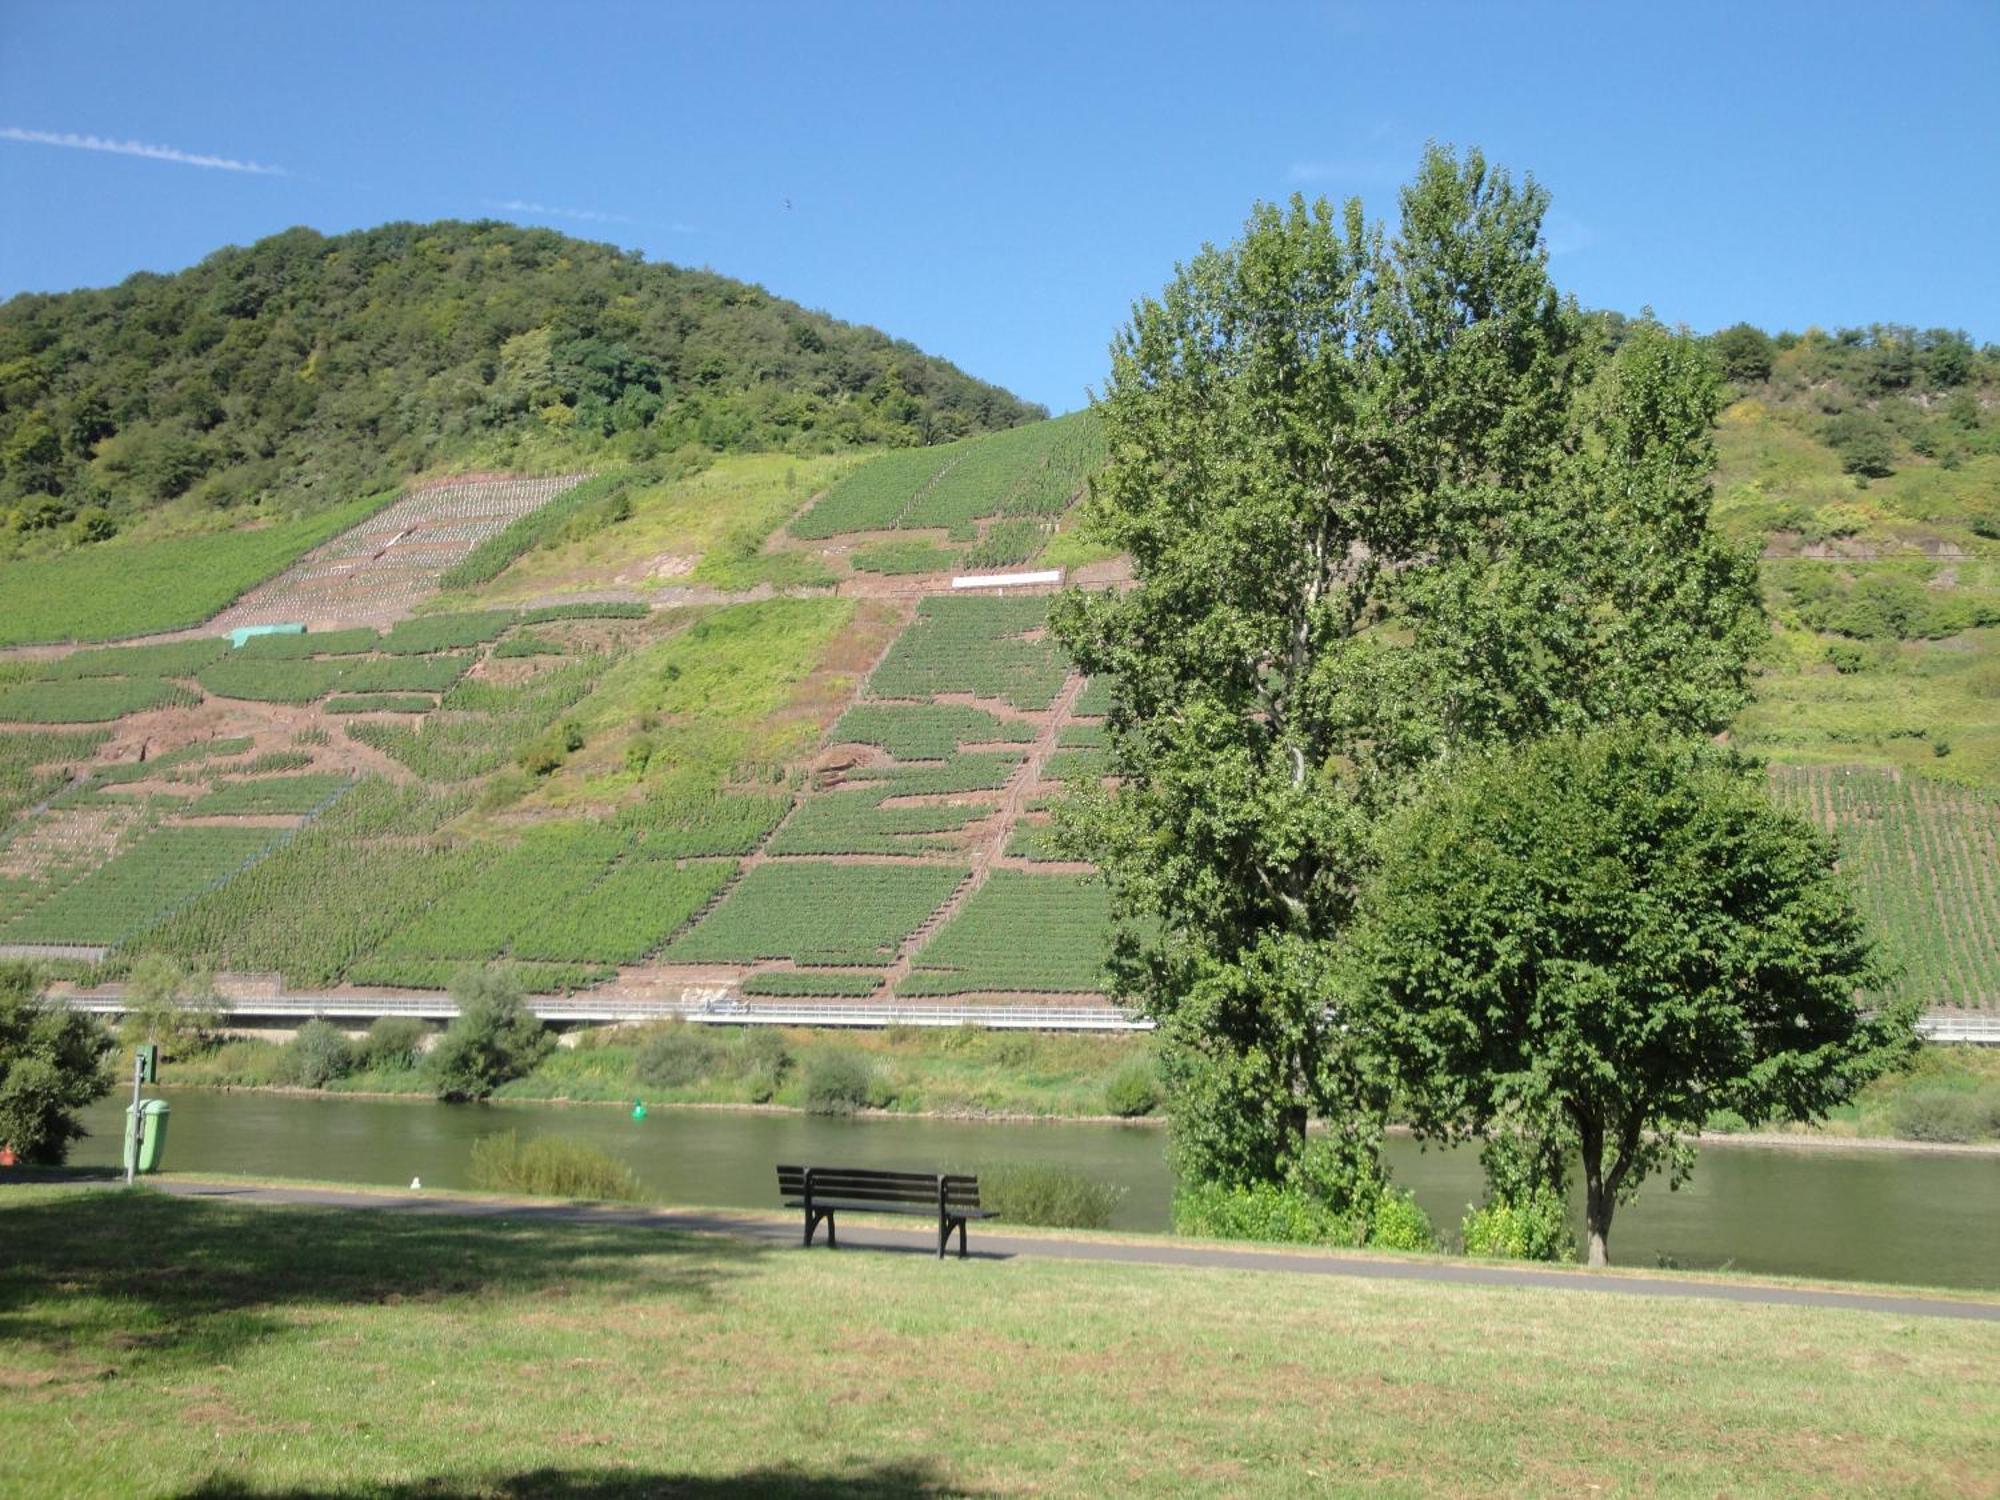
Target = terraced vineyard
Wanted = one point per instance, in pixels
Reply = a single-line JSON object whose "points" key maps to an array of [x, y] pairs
{"points": [[1926, 859], [992, 496]]}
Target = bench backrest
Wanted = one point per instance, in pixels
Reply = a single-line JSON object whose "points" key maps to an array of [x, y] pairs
{"points": [[865, 1185]]}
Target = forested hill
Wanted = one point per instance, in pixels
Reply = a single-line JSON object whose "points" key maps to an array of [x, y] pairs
{"points": [[308, 370]]}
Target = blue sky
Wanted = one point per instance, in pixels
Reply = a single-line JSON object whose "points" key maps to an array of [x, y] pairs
{"points": [[998, 182]]}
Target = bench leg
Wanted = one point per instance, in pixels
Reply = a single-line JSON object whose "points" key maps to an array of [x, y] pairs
{"points": [[829, 1229], [816, 1217], [961, 1239]]}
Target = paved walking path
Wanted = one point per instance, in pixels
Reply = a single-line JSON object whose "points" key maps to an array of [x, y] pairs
{"points": [[989, 1246]]}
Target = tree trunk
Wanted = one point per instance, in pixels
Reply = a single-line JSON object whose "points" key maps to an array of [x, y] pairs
{"points": [[1598, 1200]]}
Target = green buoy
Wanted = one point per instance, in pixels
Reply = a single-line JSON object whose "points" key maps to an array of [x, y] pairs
{"points": [[639, 1109]]}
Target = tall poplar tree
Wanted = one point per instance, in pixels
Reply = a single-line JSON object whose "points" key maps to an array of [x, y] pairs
{"points": [[1386, 499]]}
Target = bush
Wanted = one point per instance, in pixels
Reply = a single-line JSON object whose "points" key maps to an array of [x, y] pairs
{"points": [[837, 1082], [551, 1167], [1398, 1224], [1133, 1092], [172, 1007], [761, 1060], [1939, 1115], [394, 1044], [319, 1054], [52, 1063], [1283, 1215], [676, 1055], [1537, 1229], [1044, 1193], [495, 1038]]}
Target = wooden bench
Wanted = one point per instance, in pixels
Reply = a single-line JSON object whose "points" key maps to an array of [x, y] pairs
{"points": [[824, 1191]]}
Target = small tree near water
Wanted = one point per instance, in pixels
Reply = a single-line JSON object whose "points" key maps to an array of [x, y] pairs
{"points": [[496, 1037], [51, 1065], [1615, 937]]}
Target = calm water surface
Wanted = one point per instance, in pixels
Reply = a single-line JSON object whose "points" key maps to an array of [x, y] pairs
{"points": [[1862, 1214]]}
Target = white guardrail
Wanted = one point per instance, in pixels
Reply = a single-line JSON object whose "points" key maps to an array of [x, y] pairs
{"points": [[1937, 1026], [712, 1011]]}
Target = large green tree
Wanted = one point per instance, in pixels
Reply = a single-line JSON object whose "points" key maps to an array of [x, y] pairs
{"points": [[1385, 499], [51, 1065], [1611, 937]]}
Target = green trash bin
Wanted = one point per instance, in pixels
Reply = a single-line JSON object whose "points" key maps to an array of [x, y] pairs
{"points": [[151, 1132]]}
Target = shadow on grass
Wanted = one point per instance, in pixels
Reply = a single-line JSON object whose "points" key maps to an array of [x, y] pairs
{"points": [[896, 1481], [172, 1278]]}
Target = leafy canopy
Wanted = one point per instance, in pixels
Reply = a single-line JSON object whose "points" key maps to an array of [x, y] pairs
{"points": [[1386, 500], [495, 1039], [1613, 937], [51, 1064]]}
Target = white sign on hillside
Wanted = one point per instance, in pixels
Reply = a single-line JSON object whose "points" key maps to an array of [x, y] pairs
{"points": [[1006, 580]]}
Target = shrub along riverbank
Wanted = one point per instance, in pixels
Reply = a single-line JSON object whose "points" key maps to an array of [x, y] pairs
{"points": [[1947, 1094], [334, 1352]]}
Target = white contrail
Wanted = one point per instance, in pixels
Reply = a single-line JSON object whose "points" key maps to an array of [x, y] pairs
{"points": [[135, 148], [524, 206]]}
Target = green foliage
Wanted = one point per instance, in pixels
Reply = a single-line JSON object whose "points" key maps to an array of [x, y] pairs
{"points": [[481, 726], [601, 609], [166, 659], [1049, 1194], [495, 1038], [91, 700], [1865, 444], [428, 633], [34, 765], [588, 506], [903, 558], [1534, 517], [973, 645], [381, 703], [817, 914], [393, 1044], [624, 916], [1744, 353], [147, 882], [676, 1055], [1134, 1092], [1007, 544], [1019, 932], [319, 1054], [931, 732], [781, 982], [838, 1082], [266, 681], [1920, 856], [171, 1006], [52, 1063], [359, 639], [1260, 1211], [855, 822], [407, 674], [558, 351], [270, 794], [549, 1167], [1035, 470], [1536, 1228], [368, 866], [1946, 1115], [1621, 935], [526, 645], [135, 586]]}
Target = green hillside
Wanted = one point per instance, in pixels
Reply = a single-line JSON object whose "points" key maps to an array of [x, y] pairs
{"points": [[305, 371]]}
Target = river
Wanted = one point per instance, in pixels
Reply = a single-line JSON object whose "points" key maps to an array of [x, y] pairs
{"points": [[1857, 1213]]}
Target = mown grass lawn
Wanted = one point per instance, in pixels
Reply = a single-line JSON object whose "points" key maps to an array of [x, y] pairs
{"points": [[156, 1346]]}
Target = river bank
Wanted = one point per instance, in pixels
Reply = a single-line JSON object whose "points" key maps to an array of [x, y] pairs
{"points": [[1948, 1097]]}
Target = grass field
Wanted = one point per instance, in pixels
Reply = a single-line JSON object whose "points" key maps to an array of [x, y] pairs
{"points": [[153, 1346]]}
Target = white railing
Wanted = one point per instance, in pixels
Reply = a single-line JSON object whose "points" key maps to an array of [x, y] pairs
{"points": [[711, 1011], [1938, 1026]]}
